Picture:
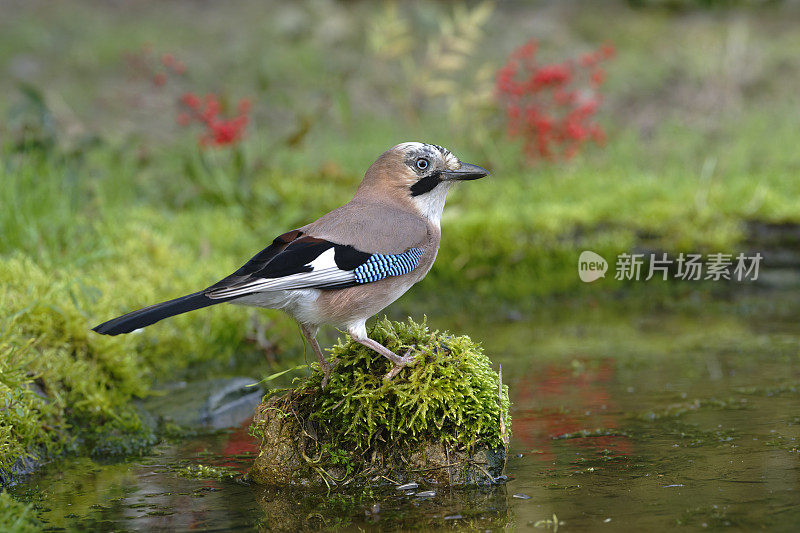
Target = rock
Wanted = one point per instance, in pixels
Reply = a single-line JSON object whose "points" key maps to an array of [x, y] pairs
{"points": [[21, 467], [289, 456], [212, 404], [440, 422], [231, 403]]}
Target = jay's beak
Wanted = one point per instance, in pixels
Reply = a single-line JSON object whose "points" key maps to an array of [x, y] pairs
{"points": [[466, 172]]}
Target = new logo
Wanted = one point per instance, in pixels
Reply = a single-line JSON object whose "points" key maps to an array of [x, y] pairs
{"points": [[591, 266]]}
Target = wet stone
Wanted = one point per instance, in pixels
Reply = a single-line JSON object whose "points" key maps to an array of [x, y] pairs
{"points": [[214, 403], [285, 448], [441, 422]]}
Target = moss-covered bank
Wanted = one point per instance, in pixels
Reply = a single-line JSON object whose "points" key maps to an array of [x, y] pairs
{"points": [[445, 419], [17, 517]]}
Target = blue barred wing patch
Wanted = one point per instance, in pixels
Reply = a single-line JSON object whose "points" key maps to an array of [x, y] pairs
{"points": [[380, 266]]}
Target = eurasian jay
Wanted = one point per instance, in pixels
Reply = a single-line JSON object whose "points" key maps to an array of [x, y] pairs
{"points": [[347, 265]]}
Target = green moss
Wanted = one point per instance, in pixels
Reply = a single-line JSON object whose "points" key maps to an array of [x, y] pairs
{"points": [[63, 387], [17, 517], [450, 396], [219, 473], [23, 412]]}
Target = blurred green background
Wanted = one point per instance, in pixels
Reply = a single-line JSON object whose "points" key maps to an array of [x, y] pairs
{"points": [[108, 203]]}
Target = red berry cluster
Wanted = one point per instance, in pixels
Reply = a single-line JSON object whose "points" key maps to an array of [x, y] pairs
{"points": [[144, 63], [170, 64], [218, 131], [552, 106]]}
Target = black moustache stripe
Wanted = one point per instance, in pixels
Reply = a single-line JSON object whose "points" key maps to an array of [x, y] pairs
{"points": [[426, 184]]}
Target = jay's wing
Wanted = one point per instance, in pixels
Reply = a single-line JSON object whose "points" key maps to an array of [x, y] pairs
{"points": [[293, 261], [298, 261]]}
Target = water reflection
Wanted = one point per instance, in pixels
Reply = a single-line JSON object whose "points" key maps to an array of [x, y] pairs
{"points": [[563, 403], [465, 508], [619, 424]]}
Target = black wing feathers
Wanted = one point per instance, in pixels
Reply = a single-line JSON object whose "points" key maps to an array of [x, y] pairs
{"points": [[294, 258], [152, 314], [258, 261], [288, 254], [348, 258]]}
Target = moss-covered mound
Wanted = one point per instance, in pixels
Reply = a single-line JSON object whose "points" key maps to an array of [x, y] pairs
{"points": [[445, 419]]}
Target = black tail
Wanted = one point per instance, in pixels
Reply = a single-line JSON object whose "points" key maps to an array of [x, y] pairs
{"points": [[154, 313]]}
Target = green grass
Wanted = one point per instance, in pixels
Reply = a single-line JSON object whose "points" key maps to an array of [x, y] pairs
{"points": [[107, 206]]}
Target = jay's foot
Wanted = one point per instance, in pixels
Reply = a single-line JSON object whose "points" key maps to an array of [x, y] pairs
{"points": [[326, 368], [400, 363]]}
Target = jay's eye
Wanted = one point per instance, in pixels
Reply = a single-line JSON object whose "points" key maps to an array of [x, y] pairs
{"points": [[422, 163]]}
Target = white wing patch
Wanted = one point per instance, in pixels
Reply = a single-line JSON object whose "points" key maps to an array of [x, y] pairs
{"points": [[325, 272], [325, 260]]}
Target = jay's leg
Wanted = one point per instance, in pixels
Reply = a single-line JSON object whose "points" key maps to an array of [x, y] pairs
{"points": [[311, 336], [359, 335]]}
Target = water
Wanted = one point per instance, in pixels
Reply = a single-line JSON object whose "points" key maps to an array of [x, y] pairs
{"points": [[625, 418]]}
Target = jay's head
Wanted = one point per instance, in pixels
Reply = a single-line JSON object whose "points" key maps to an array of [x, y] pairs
{"points": [[418, 174]]}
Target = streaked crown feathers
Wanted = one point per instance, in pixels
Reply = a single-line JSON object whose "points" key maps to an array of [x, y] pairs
{"points": [[451, 162]]}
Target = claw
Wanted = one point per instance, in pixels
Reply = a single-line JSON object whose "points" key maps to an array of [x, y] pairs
{"points": [[327, 368], [401, 363]]}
